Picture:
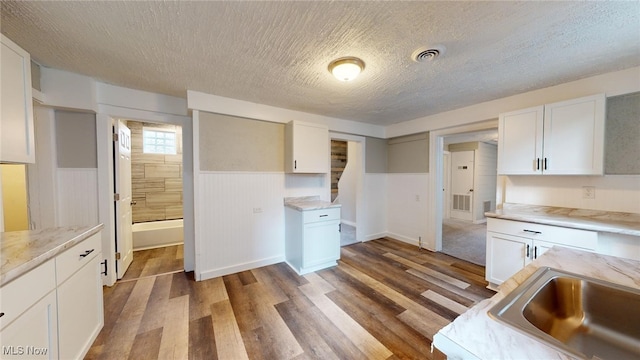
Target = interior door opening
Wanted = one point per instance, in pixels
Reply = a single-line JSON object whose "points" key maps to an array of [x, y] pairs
{"points": [[156, 200]]}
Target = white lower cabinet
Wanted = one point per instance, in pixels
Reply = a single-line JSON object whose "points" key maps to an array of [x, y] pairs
{"points": [[511, 245], [54, 311], [312, 239]]}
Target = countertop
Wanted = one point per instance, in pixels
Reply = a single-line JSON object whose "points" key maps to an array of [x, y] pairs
{"points": [[21, 251], [595, 220], [475, 335], [305, 203]]}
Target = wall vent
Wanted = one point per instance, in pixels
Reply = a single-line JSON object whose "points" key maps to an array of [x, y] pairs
{"points": [[487, 206], [462, 202]]}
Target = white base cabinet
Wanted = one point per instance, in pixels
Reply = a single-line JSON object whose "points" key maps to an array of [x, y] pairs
{"points": [[312, 239], [54, 311], [511, 245]]}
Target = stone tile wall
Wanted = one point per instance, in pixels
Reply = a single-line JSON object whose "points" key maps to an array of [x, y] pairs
{"points": [[156, 179]]}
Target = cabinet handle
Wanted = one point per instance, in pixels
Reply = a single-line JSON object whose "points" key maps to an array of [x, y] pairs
{"points": [[295, 164], [86, 253], [537, 163], [1, 314], [105, 267], [545, 163], [324, 215], [527, 250], [532, 231], [535, 252]]}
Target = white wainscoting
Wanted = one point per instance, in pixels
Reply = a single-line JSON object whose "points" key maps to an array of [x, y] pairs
{"points": [[241, 221], [374, 225], [407, 208], [77, 197]]}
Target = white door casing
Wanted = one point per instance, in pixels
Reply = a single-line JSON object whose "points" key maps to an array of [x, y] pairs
{"points": [[124, 242], [462, 168]]}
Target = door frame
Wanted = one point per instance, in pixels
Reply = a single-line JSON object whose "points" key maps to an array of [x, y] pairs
{"points": [[105, 117], [360, 205], [436, 152]]}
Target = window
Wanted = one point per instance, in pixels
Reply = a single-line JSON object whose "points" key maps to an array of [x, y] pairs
{"points": [[159, 141]]}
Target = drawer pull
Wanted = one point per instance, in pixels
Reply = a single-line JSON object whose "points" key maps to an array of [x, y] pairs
{"points": [[1, 314], [532, 231], [324, 215], [86, 253]]}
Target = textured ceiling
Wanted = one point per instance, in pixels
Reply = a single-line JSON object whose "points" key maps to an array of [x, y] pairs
{"points": [[277, 53]]}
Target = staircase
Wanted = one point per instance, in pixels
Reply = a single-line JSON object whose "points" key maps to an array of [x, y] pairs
{"points": [[338, 163]]}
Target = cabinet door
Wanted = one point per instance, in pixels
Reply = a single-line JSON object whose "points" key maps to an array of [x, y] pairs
{"points": [[80, 310], [506, 255], [33, 335], [16, 110], [310, 150], [321, 243], [574, 136], [520, 141]]}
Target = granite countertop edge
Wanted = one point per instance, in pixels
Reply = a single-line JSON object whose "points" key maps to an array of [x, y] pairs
{"points": [[306, 203], [594, 220], [11, 270]]}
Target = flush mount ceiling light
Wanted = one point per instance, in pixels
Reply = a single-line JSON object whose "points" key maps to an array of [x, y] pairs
{"points": [[346, 68]]}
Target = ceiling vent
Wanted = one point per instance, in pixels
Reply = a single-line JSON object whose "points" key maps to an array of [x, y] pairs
{"points": [[425, 54]]}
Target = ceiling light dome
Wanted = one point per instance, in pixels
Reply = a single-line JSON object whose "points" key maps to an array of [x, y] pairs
{"points": [[346, 68]]}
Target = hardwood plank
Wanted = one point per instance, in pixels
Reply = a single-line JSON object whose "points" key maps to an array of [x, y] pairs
{"points": [[157, 303], [229, 343], [202, 343], [175, 333], [428, 271], [444, 301], [466, 293], [146, 345], [246, 277], [368, 344]]}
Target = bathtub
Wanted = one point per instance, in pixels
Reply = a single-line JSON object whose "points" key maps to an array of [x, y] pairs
{"points": [[157, 234]]}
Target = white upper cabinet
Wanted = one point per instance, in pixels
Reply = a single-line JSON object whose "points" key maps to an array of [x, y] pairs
{"points": [[16, 107], [306, 148], [564, 138]]}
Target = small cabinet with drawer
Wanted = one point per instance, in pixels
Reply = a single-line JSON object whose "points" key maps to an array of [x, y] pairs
{"points": [[511, 245], [312, 238]]}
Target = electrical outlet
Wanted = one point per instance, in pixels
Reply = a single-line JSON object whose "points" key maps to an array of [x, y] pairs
{"points": [[588, 192], [257, 210]]}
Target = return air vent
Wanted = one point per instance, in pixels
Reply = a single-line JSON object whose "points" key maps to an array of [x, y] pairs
{"points": [[462, 202], [425, 54]]}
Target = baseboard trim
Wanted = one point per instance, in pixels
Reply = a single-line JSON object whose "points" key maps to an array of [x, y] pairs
{"points": [[404, 239], [347, 222], [213, 273], [374, 236]]}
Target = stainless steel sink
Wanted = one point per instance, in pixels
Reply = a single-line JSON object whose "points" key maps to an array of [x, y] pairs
{"points": [[580, 316]]}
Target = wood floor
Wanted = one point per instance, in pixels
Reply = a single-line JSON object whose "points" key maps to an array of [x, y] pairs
{"points": [[385, 300], [155, 262]]}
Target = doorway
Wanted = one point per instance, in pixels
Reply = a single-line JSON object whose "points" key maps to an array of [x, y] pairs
{"points": [[347, 165], [469, 179], [156, 199]]}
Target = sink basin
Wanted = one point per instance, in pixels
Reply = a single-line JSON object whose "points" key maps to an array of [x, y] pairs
{"points": [[578, 315]]}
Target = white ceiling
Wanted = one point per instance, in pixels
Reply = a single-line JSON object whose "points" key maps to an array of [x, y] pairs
{"points": [[276, 53]]}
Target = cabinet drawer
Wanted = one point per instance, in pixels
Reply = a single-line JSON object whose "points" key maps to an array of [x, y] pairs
{"points": [[555, 234], [17, 296], [73, 259], [321, 215]]}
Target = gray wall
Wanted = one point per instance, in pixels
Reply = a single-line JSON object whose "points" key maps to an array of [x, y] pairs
{"points": [[622, 141], [229, 143], [467, 146], [408, 154], [76, 139], [376, 155]]}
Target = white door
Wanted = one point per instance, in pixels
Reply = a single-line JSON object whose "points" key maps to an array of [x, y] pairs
{"points": [[124, 244], [462, 185]]}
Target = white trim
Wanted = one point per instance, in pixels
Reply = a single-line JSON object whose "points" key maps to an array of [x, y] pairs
{"points": [[436, 151], [210, 274], [106, 209], [214, 172], [195, 122], [375, 236], [350, 223], [404, 239], [142, 115]]}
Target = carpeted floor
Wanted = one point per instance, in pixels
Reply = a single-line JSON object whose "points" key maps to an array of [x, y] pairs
{"points": [[465, 240]]}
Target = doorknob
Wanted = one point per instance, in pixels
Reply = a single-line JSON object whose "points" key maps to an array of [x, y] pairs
{"points": [[133, 202], [470, 190]]}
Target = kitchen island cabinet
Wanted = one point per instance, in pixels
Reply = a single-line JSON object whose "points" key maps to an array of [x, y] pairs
{"points": [[312, 239], [50, 292], [563, 138]]}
